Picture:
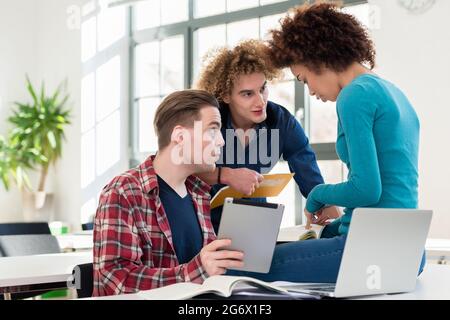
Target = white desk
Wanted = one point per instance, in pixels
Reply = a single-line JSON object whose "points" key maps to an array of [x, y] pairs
{"points": [[30, 273], [438, 249], [433, 284], [76, 242]]}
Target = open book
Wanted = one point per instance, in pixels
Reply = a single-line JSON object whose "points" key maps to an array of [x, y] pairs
{"points": [[297, 233], [271, 186], [223, 286]]}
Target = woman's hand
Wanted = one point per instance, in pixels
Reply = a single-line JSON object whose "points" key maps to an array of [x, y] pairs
{"points": [[322, 217], [309, 219]]}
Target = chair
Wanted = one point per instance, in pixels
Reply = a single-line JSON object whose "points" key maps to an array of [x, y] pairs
{"points": [[28, 244], [9, 229], [83, 276], [87, 226]]}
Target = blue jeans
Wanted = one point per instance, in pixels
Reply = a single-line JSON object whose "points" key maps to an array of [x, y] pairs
{"points": [[315, 261], [303, 261]]}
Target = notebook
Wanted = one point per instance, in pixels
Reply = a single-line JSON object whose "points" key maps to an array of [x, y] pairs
{"points": [[299, 233], [271, 186], [220, 285]]}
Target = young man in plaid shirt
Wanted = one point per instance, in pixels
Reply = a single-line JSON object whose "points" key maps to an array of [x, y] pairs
{"points": [[153, 226]]}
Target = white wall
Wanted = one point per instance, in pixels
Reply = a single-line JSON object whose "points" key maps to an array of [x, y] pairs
{"points": [[38, 37], [58, 53], [35, 39], [17, 45], [413, 52]]}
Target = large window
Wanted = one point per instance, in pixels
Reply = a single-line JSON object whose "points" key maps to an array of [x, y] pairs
{"points": [[104, 57], [170, 40]]}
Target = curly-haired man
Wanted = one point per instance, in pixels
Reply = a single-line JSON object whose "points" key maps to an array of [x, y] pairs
{"points": [[257, 132]]}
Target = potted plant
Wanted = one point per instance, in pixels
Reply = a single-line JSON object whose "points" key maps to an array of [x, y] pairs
{"points": [[13, 163], [35, 143]]}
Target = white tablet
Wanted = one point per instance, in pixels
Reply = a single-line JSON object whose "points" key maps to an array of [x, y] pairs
{"points": [[253, 229]]}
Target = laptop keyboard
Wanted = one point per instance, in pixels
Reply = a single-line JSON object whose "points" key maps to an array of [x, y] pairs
{"points": [[325, 288]]}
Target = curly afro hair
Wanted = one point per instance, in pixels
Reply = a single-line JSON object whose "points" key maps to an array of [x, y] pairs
{"points": [[321, 35], [223, 66]]}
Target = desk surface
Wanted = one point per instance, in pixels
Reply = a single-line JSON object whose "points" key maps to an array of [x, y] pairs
{"points": [[84, 241], [433, 284], [78, 241], [40, 269]]}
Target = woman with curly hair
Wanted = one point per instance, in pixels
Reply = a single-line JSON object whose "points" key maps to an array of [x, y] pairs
{"points": [[378, 129], [238, 78]]}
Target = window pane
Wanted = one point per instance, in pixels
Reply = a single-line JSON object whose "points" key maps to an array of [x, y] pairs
{"points": [[332, 171], [172, 64], [87, 158], [283, 93], [204, 40], [268, 23], [88, 211], [344, 172], [205, 8], [287, 75], [88, 39], [148, 141], [108, 88], [323, 121], [87, 102], [147, 69], [233, 5], [246, 29], [264, 2], [146, 14], [88, 8], [174, 11], [286, 197], [108, 143], [111, 26]]}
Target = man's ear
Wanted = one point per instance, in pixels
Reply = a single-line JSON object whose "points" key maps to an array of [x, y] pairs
{"points": [[178, 135], [226, 98]]}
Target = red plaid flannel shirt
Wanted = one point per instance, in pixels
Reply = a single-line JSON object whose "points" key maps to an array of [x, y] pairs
{"points": [[133, 248]]}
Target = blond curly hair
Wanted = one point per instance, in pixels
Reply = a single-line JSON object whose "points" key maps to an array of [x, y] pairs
{"points": [[222, 66]]}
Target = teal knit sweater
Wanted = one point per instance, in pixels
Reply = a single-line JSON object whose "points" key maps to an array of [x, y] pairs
{"points": [[378, 140]]}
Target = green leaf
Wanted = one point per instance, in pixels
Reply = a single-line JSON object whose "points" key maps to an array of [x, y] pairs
{"points": [[26, 181], [51, 139], [19, 177], [31, 91], [5, 181]]}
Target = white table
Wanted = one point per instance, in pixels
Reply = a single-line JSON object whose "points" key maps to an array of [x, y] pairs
{"points": [[76, 242], [438, 249], [37, 272], [433, 284]]}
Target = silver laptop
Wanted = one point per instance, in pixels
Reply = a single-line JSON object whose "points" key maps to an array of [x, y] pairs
{"points": [[253, 229], [382, 254]]}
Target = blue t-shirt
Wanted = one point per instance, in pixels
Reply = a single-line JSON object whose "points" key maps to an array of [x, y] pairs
{"points": [[186, 232], [279, 136], [378, 140]]}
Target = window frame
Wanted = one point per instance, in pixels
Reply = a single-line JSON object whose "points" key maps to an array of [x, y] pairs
{"points": [[120, 49], [324, 151]]}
